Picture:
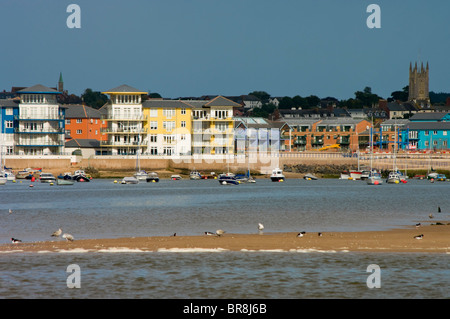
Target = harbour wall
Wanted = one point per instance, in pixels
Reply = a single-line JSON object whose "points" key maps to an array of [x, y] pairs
{"points": [[295, 162]]}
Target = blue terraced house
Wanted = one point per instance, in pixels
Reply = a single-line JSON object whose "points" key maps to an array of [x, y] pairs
{"points": [[429, 131], [9, 108]]}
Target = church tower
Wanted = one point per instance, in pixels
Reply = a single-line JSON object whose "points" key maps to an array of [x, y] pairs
{"points": [[419, 85], [60, 83]]}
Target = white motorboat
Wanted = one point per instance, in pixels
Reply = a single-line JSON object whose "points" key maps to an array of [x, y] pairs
{"points": [[310, 177], [130, 180], [141, 175], [277, 175], [3, 179], [195, 175], [393, 178], [47, 178], [152, 177]]}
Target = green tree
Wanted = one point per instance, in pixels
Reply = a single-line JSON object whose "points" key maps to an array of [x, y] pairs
{"points": [[262, 95], [94, 99], [401, 95], [286, 103], [265, 111], [313, 101]]}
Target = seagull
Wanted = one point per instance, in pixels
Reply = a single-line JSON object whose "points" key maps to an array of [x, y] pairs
{"points": [[174, 234], [15, 240], [431, 216], [418, 225], [57, 233], [260, 226], [301, 234], [208, 233], [220, 232], [319, 234], [418, 236], [68, 237], [10, 211]]}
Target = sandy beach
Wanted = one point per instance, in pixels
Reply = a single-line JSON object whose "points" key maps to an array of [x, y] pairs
{"points": [[436, 239]]}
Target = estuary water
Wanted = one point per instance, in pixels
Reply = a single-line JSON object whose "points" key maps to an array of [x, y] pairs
{"points": [[104, 209]]}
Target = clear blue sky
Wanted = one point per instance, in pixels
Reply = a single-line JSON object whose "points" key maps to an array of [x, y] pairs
{"points": [[198, 47]]}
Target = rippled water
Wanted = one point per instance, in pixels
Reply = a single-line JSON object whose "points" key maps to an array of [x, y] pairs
{"points": [[225, 275], [102, 209]]}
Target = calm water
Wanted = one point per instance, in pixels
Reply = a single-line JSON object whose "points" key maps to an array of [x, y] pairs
{"points": [[102, 209]]}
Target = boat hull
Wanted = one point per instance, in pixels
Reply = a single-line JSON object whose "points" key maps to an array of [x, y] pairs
{"points": [[356, 175]]}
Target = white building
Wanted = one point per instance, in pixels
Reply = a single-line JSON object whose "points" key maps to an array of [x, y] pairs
{"points": [[125, 121], [40, 129]]}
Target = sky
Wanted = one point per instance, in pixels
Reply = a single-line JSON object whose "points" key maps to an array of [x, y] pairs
{"points": [[181, 48]]}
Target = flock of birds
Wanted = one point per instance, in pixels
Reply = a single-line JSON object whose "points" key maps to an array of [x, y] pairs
{"points": [[218, 232]]}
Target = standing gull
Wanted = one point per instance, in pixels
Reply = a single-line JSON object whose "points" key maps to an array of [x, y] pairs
{"points": [[57, 233], [220, 232], [301, 234], [15, 240], [68, 237]]}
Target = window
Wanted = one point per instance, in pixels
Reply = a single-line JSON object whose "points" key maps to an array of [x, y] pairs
{"points": [[68, 132], [169, 113], [9, 111], [169, 139], [9, 150], [153, 138], [153, 150], [434, 132], [79, 131], [9, 124], [427, 133], [434, 143], [153, 112], [183, 123], [444, 133], [67, 121], [169, 125], [183, 111], [153, 125], [79, 121], [96, 132]]}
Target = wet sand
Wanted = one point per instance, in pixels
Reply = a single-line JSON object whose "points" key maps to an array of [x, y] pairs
{"points": [[436, 239]]}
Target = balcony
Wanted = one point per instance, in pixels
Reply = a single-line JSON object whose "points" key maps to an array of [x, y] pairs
{"points": [[123, 144], [125, 117], [38, 117], [123, 130], [41, 131]]}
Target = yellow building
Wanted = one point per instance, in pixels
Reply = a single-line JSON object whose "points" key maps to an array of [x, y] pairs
{"points": [[168, 127], [125, 121]]}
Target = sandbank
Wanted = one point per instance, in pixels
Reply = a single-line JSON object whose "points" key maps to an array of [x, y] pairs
{"points": [[436, 239]]}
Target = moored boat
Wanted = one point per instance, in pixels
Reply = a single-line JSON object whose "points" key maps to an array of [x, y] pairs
{"points": [[81, 176], [277, 175], [310, 177], [356, 175], [130, 180], [3, 179], [47, 178], [194, 175], [141, 175], [62, 181], [227, 179], [345, 175], [152, 177], [393, 178], [176, 177], [374, 178]]}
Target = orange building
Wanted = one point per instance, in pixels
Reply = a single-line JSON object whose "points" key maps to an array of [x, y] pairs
{"points": [[315, 134], [84, 122]]}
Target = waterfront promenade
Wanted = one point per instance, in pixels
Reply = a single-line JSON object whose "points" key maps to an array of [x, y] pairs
{"points": [[258, 164]]}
